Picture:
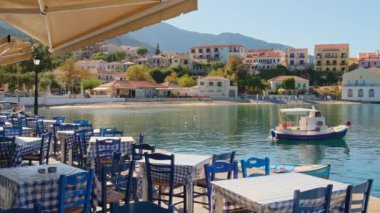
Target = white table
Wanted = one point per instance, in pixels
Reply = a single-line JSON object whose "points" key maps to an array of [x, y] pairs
{"points": [[125, 146], [272, 193], [187, 168]]}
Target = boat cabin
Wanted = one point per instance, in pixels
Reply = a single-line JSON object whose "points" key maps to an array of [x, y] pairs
{"points": [[302, 119]]}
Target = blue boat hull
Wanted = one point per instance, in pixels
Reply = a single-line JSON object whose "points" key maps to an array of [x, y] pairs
{"points": [[331, 135]]}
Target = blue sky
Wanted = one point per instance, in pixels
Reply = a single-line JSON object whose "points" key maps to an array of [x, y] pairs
{"points": [[298, 23]]}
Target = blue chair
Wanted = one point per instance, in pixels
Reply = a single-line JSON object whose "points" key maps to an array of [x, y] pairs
{"points": [[228, 157], [139, 207], [110, 132], [81, 140], [80, 122], [36, 209], [138, 150], [255, 163], [59, 119], [2, 123], [105, 150], [358, 205], [301, 200], [116, 183], [8, 159], [11, 131], [217, 168], [67, 126], [40, 127], [43, 156], [78, 187], [160, 175]]}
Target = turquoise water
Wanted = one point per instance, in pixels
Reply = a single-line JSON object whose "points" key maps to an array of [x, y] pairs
{"points": [[217, 129]]}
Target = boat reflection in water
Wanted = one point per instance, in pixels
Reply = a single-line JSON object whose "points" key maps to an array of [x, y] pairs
{"points": [[311, 151]]}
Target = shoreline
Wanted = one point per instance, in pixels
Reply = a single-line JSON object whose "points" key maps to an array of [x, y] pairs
{"points": [[184, 104]]}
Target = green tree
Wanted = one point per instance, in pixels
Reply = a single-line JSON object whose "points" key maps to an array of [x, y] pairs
{"points": [[289, 84], [158, 75], [236, 70], [90, 83], [71, 74], [142, 51], [172, 78], [253, 84], [138, 73], [186, 81], [180, 70], [215, 65], [219, 72], [100, 56]]}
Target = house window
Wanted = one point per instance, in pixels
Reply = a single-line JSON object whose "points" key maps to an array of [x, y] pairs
{"points": [[192, 51], [291, 62], [350, 93], [211, 83], [202, 83], [371, 93], [291, 55], [360, 93], [219, 84], [185, 62]]}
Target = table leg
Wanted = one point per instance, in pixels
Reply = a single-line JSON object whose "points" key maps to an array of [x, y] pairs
{"points": [[70, 156], [216, 202], [189, 197], [63, 150]]}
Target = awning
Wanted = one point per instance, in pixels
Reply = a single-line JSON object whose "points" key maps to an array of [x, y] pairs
{"points": [[13, 50], [68, 25]]}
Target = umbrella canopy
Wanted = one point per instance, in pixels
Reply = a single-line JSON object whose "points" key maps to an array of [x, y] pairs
{"points": [[14, 50], [71, 24]]}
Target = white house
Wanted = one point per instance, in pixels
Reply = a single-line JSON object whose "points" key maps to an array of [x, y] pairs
{"points": [[362, 85], [214, 87], [219, 52]]}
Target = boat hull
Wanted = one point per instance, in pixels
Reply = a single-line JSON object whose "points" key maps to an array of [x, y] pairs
{"points": [[321, 171], [322, 136]]}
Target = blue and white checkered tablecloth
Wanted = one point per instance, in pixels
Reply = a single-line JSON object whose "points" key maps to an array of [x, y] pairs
{"points": [[274, 193], [26, 131], [24, 145], [23, 187], [125, 147]]}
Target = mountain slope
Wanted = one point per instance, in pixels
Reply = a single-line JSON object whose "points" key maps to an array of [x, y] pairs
{"points": [[171, 38]]}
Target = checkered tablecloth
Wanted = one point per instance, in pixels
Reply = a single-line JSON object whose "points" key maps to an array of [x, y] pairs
{"points": [[125, 147], [26, 131], [272, 193], [187, 168], [22, 187], [24, 145]]}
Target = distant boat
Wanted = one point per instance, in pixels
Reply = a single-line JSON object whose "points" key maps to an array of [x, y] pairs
{"points": [[316, 170], [7, 107], [306, 124]]}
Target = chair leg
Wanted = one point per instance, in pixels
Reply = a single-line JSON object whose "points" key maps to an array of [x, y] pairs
{"points": [[159, 195], [184, 199], [30, 162]]}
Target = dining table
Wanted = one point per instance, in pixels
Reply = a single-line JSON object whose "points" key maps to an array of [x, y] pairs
{"points": [[24, 145], [25, 131], [125, 146], [187, 168], [272, 193], [22, 187]]}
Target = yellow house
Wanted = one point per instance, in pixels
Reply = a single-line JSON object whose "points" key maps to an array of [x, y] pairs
{"points": [[331, 57], [362, 85], [301, 84]]}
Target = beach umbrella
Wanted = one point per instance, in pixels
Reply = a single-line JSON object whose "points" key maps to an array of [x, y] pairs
{"points": [[68, 25], [14, 50]]}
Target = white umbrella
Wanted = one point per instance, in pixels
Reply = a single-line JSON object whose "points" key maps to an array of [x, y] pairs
{"points": [[72, 24]]}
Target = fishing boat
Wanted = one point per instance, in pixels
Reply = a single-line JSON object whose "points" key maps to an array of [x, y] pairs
{"points": [[316, 170], [306, 124], [8, 107]]}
